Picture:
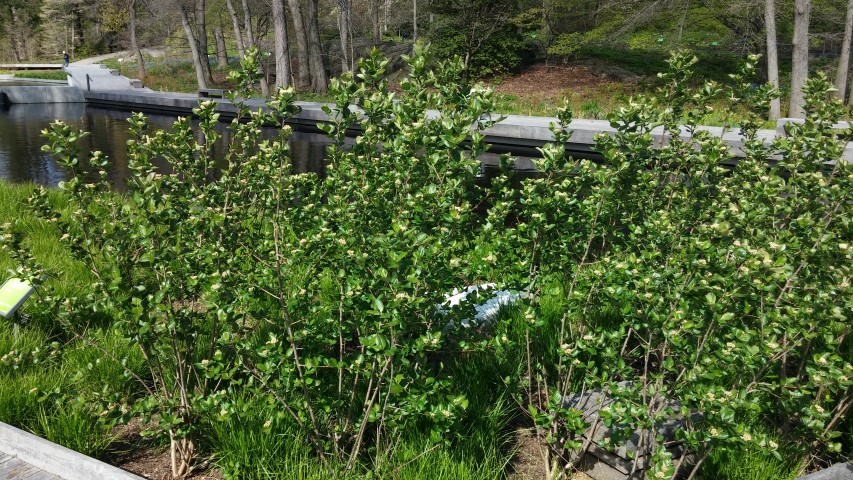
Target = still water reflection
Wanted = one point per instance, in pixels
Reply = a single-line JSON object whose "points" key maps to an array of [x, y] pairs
{"points": [[21, 158]]}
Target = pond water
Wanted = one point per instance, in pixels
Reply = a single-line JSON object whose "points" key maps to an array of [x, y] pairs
{"points": [[21, 158]]}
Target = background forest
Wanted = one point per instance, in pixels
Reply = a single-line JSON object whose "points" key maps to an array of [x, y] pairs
{"points": [[307, 42]]}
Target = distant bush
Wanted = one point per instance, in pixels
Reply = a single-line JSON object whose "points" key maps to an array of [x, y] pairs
{"points": [[501, 53]]}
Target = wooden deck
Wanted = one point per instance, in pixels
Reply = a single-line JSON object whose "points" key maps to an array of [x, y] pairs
{"points": [[12, 468], [24, 456]]}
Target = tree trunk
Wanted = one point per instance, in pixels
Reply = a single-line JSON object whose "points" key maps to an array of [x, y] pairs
{"points": [[201, 78], [319, 78], [238, 34], [303, 79], [134, 44], [282, 46], [344, 29], [385, 16], [17, 38], [850, 94], [251, 42], [415, 21], [201, 38], [374, 20], [221, 51], [799, 57], [844, 61], [247, 24], [182, 453], [772, 55]]}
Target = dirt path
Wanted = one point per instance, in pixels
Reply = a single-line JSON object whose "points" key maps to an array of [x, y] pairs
{"points": [[153, 52]]}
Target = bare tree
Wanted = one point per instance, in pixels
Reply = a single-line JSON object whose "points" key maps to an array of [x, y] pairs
{"points": [[345, 30], [247, 24], [772, 55], [201, 37], [799, 57], [319, 79], [238, 34], [303, 78], [374, 7], [282, 45], [134, 44], [221, 49], [251, 41], [844, 61], [202, 68]]}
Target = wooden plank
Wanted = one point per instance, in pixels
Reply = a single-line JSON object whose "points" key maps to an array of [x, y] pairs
{"points": [[5, 457], [56, 459], [16, 469], [42, 475]]}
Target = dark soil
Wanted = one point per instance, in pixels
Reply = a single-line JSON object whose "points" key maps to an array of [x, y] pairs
{"points": [[137, 454], [552, 80]]}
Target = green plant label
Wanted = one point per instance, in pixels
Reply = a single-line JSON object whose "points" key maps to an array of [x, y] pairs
{"points": [[13, 294]]}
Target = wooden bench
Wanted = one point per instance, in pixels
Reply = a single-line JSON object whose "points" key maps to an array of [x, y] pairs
{"points": [[211, 93]]}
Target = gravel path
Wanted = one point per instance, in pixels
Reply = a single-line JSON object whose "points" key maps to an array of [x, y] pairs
{"points": [[154, 52]]}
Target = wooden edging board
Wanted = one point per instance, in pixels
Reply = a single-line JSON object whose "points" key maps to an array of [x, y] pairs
{"points": [[56, 459]]}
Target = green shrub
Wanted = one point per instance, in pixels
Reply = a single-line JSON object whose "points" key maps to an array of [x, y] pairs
{"points": [[500, 54], [720, 277], [655, 273]]}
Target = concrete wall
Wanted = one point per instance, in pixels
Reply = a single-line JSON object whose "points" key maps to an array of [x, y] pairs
{"points": [[42, 94], [516, 133]]}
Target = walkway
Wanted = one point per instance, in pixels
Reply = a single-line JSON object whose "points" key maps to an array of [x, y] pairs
{"points": [[151, 52], [98, 78], [24, 456], [12, 468]]}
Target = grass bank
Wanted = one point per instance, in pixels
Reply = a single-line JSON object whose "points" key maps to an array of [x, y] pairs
{"points": [[51, 384], [36, 74]]}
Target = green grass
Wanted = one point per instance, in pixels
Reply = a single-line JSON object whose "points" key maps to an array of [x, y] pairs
{"points": [[75, 426], [711, 66], [749, 462], [22, 375], [45, 376], [37, 74], [67, 276], [98, 371], [416, 458], [31, 374], [244, 449]]}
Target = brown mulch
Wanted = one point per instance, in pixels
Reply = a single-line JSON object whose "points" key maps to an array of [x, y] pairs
{"points": [[552, 80], [138, 455], [528, 462]]}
